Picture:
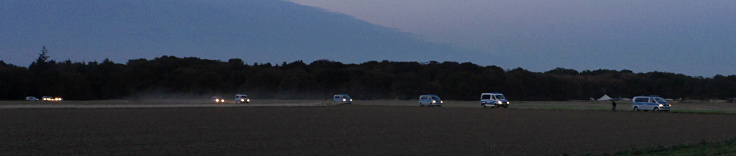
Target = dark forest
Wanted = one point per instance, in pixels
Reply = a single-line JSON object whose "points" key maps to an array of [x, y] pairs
{"points": [[319, 79]]}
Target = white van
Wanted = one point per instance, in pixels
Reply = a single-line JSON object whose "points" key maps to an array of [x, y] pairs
{"points": [[653, 103], [430, 100], [241, 98], [493, 100], [342, 98]]}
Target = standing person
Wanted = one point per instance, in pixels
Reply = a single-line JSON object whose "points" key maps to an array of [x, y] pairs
{"points": [[613, 102]]}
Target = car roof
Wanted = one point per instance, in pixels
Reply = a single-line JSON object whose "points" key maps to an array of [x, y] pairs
{"points": [[646, 96], [492, 93]]}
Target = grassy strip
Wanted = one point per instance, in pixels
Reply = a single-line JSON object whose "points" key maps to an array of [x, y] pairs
{"points": [[703, 148], [604, 107], [705, 111]]}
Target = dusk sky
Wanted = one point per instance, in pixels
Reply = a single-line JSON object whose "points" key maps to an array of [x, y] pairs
{"points": [[684, 36], [691, 37]]}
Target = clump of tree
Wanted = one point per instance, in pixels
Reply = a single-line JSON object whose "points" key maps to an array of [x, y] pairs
{"points": [[322, 78]]}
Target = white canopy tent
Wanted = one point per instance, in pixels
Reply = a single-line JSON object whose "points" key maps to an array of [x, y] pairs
{"points": [[605, 97]]}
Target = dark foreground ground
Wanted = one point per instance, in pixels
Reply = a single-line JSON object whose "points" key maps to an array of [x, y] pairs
{"points": [[348, 130]]}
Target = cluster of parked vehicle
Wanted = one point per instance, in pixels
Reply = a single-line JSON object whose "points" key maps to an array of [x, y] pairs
{"points": [[44, 98], [496, 100], [239, 98], [492, 100]]}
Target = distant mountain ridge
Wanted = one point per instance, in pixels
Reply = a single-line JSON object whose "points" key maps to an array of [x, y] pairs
{"points": [[252, 30]]}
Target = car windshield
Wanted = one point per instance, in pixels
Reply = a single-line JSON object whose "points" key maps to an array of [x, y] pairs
{"points": [[499, 97], [436, 98], [660, 100], [346, 96]]}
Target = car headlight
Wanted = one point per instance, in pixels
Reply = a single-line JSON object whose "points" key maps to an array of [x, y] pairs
{"points": [[351, 100], [660, 105], [499, 102], [442, 101], [343, 100], [434, 101], [248, 100]]}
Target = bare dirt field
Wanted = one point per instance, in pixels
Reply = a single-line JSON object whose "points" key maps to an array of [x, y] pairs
{"points": [[364, 128]]}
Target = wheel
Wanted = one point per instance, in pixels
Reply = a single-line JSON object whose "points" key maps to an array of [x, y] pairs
{"points": [[506, 106], [656, 109], [636, 109]]}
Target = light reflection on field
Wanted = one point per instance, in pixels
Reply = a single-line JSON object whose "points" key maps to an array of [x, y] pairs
{"points": [[688, 107]]}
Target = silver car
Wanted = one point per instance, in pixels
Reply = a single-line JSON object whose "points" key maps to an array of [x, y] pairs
{"points": [[342, 98], [430, 100]]}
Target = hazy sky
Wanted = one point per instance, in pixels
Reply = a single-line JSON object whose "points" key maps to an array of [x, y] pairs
{"points": [[694, 37]]}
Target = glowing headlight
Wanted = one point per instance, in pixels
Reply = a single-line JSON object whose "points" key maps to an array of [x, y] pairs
{"points": [[351, 100], [241, 100], [442, 101], [434, 101], [660, 105], [499, 102], [343, 100], [248, 100]]}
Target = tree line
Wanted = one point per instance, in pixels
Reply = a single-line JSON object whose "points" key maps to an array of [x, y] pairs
{"points": [[319, 79]]}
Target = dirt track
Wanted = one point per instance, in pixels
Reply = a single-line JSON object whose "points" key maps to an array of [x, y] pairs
{"points": [[348, 129]]}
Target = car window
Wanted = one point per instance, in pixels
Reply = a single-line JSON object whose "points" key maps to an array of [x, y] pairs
{"points": [[436, 98], [641, 100], [500, 97], [485, 97]]}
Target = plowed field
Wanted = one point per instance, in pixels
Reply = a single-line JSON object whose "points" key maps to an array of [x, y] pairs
{"points": [[348, 130]]}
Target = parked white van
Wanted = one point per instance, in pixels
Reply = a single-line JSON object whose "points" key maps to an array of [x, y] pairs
{"points": [[430, 100], [241, 98], [342, 98], [493, 100], [653, 102]]}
